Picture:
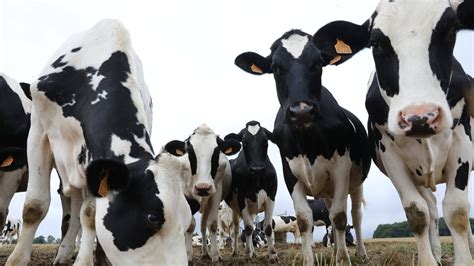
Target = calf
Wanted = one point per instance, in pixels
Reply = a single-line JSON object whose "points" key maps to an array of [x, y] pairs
{"points": [[258, 238], [207, 177], [419, 120], [328, 239], [12, 228], [91, 119], [254, 184], [284, 224], [323, 147], [15, 110]]}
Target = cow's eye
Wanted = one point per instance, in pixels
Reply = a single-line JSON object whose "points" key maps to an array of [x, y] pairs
{"points": [[153, 218], [277, 70]]}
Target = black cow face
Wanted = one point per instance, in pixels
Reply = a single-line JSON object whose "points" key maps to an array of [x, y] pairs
{"points": [[296, 64], [413, 57], [254, 139]]}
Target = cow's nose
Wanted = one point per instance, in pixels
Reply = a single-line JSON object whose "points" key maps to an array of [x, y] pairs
{"points": [[257, 170], [420, 121], [301, 113], [203, 189]]}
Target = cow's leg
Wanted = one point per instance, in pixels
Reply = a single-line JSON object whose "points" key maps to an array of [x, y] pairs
{"points": [[304, 217], [212, 225], [338, 213], [267, 227], [471, 241], [67, 246], [221, 235], [248, 230], [455, 203], [204, 219], [433, 227], [87, 214], [235, 233], [356, 199], [416, 208], [38, 197], [189, 239]]}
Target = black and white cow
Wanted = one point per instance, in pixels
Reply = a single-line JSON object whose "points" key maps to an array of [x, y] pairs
{"points": [[254, 185], [91, 119], [206, 177], [419, 122], [11, 229], [328, 239], [258, 238], [284, 224], [15, 109], [323, 146]]}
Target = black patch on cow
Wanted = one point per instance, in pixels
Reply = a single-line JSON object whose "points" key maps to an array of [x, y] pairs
{"points": [[215, 161], [320, 211], [14, 123], [58, 63], [192, 159], [441, 47], [81, 158], [418, 172], [72, 90], [286, 219], [26, 89], [386, 62], [136, 213], [76, 49], [193, 204], [462, 175]]}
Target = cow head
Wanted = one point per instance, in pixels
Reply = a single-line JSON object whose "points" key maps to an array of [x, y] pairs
{"points": [[296, 64], [413, 57], [133, 196], [254, 139], [13, 177], [206, 159]]}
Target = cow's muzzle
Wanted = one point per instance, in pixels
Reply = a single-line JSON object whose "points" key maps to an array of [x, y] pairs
{"points": [[203, 189], [301, 114], [420, 121], [257, 170]]}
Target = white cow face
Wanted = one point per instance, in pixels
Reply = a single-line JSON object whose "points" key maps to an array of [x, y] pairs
{"points": [[412, 44], [206, 159], [13, 177]]}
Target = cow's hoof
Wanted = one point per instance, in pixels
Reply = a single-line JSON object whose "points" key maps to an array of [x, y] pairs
{"points": [[205, 257], [273, 259], [363, 257]]}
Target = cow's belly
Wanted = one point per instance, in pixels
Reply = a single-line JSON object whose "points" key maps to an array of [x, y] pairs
{"points": [[424, 158], [319, 177]]}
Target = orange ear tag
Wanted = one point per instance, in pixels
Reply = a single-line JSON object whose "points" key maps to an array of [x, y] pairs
{"points": [[256, 69], [335, 60], [228, 150], [104, 185], [342, 48], [7, 161]]}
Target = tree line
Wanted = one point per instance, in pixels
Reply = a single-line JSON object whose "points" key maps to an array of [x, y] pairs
{"points": [[402, 229]]}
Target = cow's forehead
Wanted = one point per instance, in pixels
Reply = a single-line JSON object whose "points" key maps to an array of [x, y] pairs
{"points": [[400, 18], [295, 44], [253, 129]]}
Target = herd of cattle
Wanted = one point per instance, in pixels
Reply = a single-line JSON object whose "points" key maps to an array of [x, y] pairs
{"points": [[89, 116]]}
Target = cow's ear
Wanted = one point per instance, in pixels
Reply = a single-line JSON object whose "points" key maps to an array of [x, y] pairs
{"points": [[229, 147], [104, 176], [465, 12], [340, 40], [269, 135], [176, 147], [254, 63], [26, 89], [12, 158]]}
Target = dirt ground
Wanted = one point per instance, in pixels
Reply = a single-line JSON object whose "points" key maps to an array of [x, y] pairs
{"points": [[400, 251]]}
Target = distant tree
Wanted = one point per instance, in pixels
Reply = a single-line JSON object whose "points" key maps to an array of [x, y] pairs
{"points": [[51, 239], [402, 229], [39, 240]]}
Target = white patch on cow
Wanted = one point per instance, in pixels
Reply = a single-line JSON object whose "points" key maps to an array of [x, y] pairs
{"points": [[121, 147], [295, 44], [9, 182], [142, 142], [15, 86], [102, 95], [418, 84], [352, 124], [253, 129], [72, 103], [95, 80]]}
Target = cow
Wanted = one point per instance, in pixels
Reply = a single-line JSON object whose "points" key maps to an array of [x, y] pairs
{"points": [[15, 110], [225, 223], [206, 177], [420, 104], [323, 147], [11, 228], [258, 238], [284, 224], [15, 114], [328, 239], [91, 118], [254, 185]]}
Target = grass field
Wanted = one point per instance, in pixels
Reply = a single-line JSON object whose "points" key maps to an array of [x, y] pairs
{"points": [[388, 251]]}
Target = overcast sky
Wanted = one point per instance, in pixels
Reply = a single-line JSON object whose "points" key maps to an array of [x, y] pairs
{"points": [[188, 49]]}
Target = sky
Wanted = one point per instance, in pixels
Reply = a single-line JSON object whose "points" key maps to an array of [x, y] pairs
{"points": [[188, 49]]}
